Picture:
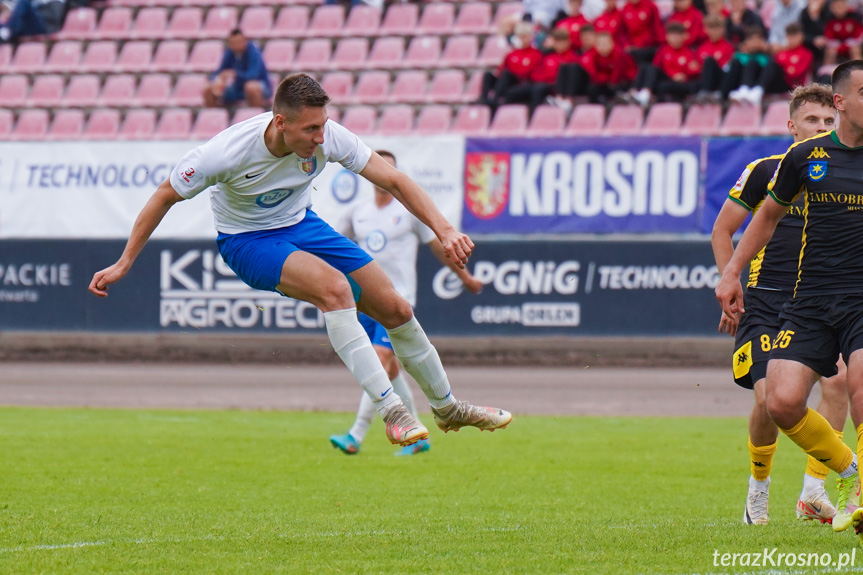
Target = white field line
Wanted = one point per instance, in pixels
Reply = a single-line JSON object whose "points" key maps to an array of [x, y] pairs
{"points": [[79, 544]]}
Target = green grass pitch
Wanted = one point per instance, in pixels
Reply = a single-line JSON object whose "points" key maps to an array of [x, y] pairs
{"points": [[123, 491]]}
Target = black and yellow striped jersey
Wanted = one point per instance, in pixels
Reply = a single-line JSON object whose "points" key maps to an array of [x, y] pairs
{"points": [[829, 177], [775, 266]]}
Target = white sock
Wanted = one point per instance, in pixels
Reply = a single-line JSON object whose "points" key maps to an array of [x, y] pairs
{"points": [[421, 360], [400, 386], [760, 485], [811, 485], [366, 410], [352, 345], [850, 470]]}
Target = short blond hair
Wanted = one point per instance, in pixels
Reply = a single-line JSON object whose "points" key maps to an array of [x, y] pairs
{"points": [[814, 93]]}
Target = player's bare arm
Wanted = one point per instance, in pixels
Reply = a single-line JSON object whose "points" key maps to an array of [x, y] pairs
{"points": [[456, 245], [151, 215], [471, 284], [728, 291], [729, 220]]}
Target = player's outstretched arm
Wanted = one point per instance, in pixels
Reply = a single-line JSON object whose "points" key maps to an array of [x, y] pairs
{"points": [[729, 291], [154, 210], [456, 245], [727, 223], [471, 284]]}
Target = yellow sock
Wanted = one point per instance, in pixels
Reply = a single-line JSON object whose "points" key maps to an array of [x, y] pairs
{"points": [[815, 436], [817, 469], [761, 460]]}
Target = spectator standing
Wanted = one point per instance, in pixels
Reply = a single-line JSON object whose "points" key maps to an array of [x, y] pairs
{"points": [[242, 75]]}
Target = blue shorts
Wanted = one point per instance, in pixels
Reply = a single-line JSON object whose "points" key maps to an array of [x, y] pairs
{"points": [[237, 92], [258, 257], [377, 332]]}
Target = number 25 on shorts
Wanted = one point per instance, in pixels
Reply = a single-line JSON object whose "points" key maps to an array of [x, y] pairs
{"points": [[783, 338]]}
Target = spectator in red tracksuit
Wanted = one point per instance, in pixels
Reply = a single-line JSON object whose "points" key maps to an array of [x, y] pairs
{"points": [[515, 69], [642, 28], [715, 53], [611, 21], [574, 23], [604, 71], [674, 72], [691, 18], [844, 32], [543, 78]]}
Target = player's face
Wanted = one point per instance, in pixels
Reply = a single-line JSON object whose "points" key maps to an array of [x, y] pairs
{"points": [[811, 119], [850, 101], [304, 131]]}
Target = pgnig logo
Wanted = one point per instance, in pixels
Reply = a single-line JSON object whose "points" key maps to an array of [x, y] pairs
{"points": [[345, 186]]}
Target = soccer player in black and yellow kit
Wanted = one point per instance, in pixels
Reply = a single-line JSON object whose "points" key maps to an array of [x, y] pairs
{"points": [[772, 275], [824, 318]]}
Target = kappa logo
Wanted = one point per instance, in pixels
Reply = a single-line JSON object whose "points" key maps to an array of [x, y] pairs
{"points": [[818, 153], [742, 358]]}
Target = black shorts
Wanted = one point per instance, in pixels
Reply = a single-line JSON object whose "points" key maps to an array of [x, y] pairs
{"points": [[816, 329], [755, 334]]}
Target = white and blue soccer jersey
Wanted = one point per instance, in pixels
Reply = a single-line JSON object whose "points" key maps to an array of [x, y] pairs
{"points": [[252, 190], [391, 235]]}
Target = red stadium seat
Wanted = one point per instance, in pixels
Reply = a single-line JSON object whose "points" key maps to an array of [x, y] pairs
{"points": [[154, 91], [257, 22], [474, 86], [339, 86], [151, 24], [447, 86], [350, 54], [29, 58], [436, 18], [174, 125], [47, 92], [98, 57], [170, 56], [279, 55], [360, 119], [547, 121], [472, 120], [32, 125], [510, 120], [116, 22], [505, 11], [433, 120], [314, 54], [209, 122], [118, 91], [13, 91], [188, 91], [291, 22], [80, 23], [103, 125], [333, 113], [82, 91], [400, 20], [372, 88], [139, 125], [741, 120], [473, 18], [409, 87], [775, 121], [185, 23], [423, 52], [7, 121], [219, 22], [386, 53], [493, 51], [624, 120], [362, 21], [243, 114], [702, 120], [205, 56], [64, 56], [460, 52], [135, 56], [586, 120], [397, 120], [5, 56], [327, 21], [663, 119], [67, 125]]}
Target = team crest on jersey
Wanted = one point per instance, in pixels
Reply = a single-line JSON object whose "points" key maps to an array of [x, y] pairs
{"points": [[376, 241], [308, 165], [486, 183], [817, 170]]}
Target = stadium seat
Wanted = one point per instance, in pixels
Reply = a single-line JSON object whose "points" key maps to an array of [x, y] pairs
{"points": [[67, 125], [586, 120], [436, 18], [504, 11], [339, 86], [460, 52], [663, 119], [423, 52], [397, 120], [138, 125], [291, 22], [170, 56], [99, 57], [29, 58], [493, 50], [154, 91], [624, 120], [205, 56], [741, 120], [118, 91], [257, 22], [775, 121], [314, 54], [472, 120], [372, 88], [82, 91], [447, 86], [188, 91], [219, 22], [509, 121], [63, 57], [473, 18], [103, 125], [400, 20], [333, 113], [702, 120], [31, 125], [13, 91], [150, 24], [360, 119], [135, 56], [279, 55], [7, 121], [47, 92], [474, 86], [243, 114], [547, 121], [386, 53], [433, 120], [185, 23], [5, 56], [80, 23], [327, 21], [350, 54], [409, 87], [116, 22], [174, 124], [210, 121], [362, 21]]}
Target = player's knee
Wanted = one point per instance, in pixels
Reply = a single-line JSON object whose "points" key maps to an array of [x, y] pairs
{"points": [[401, 312], [336, 294], [785, 410]]}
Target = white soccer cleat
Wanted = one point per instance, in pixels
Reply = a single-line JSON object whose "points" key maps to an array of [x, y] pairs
{"points": [[403, 428], [815, 506], [847, 501], [462, 414], [755, 511]]}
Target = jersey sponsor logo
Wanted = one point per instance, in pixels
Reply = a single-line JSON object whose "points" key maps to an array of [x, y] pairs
{"points": [[376, 241], [308, 165], [187, 174], [817, 170], [818, 153], [273, 198], [250, 176], [486, 183]]}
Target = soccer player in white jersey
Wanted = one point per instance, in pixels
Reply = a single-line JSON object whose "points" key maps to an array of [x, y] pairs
{"points": [[258, 174], [391, 234]]}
